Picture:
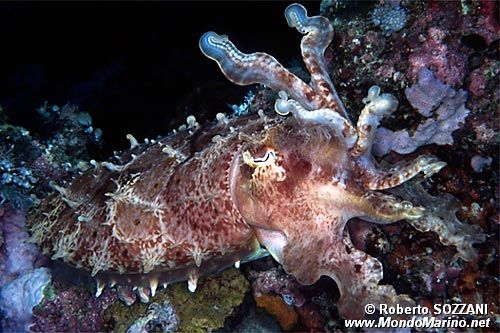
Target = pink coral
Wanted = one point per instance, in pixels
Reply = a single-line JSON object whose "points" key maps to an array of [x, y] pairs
{"points": [[73, 310], [277, 281], [435, 52]]}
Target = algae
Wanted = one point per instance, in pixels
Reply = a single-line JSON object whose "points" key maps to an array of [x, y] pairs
{"points": [[206, 309]]}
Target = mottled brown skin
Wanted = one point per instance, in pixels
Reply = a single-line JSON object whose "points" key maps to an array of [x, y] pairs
{"points": [[166, 218], [301, 218], [163, 215]]}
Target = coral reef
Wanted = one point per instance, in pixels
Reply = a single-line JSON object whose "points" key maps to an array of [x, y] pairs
{"points": [[478, 162], [276, 307], [21, 283], [275, 280], [211, 304], [17, 254], [162, 316], [73, 309], [19, 297], [28, 162], [179, 309], [390, 17], [428, 96], [435, 53]]}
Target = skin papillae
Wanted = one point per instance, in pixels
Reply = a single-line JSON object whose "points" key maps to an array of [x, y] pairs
{"points": [[207, 197]]}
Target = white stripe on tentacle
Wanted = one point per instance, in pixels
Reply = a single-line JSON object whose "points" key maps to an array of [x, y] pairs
{"points": [[245, 69], [327, 117]]}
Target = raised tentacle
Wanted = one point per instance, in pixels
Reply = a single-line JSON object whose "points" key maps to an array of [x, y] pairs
{"points": [[328, 117], [245, 69], [318, 35], [377, 107]]}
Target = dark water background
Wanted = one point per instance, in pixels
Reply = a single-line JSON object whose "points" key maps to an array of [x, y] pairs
{"points": [[130, 65]]}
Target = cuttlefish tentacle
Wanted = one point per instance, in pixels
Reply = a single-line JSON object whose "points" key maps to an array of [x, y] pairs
{"points": [[386, 209], [384, 179], [318, 35], [328, 117], [245, 69], [377, 106]]}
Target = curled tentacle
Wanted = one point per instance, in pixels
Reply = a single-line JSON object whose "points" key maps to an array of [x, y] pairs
{"points": [[245, 69], [318, 35], [377, 106], [328, 117]]}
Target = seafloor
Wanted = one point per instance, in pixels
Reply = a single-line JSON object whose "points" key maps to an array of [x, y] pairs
{"points": [[76, 78]]}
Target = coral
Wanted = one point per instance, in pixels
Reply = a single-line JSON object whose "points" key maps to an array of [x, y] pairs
{"points": [[161, 316], [21, 284], [435, 53], [478, 162], [482, 19], [389, 17], [16, 178], [18, 297], [17, 254], [276, 281], [244, 107], [427, 93], [310, 317], [478, 82], [124, 316], [74, 128], [29, 163], [276, 307], [254, 321], [73, 309], [215, 299], [428, 96]]}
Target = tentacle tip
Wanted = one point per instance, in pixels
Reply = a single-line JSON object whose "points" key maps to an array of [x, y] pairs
{"points": [[209, 44], [433, 168], [381, 103], [414, 213], [282, 107], [296, 16], [373, 93], [385, 104]]}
